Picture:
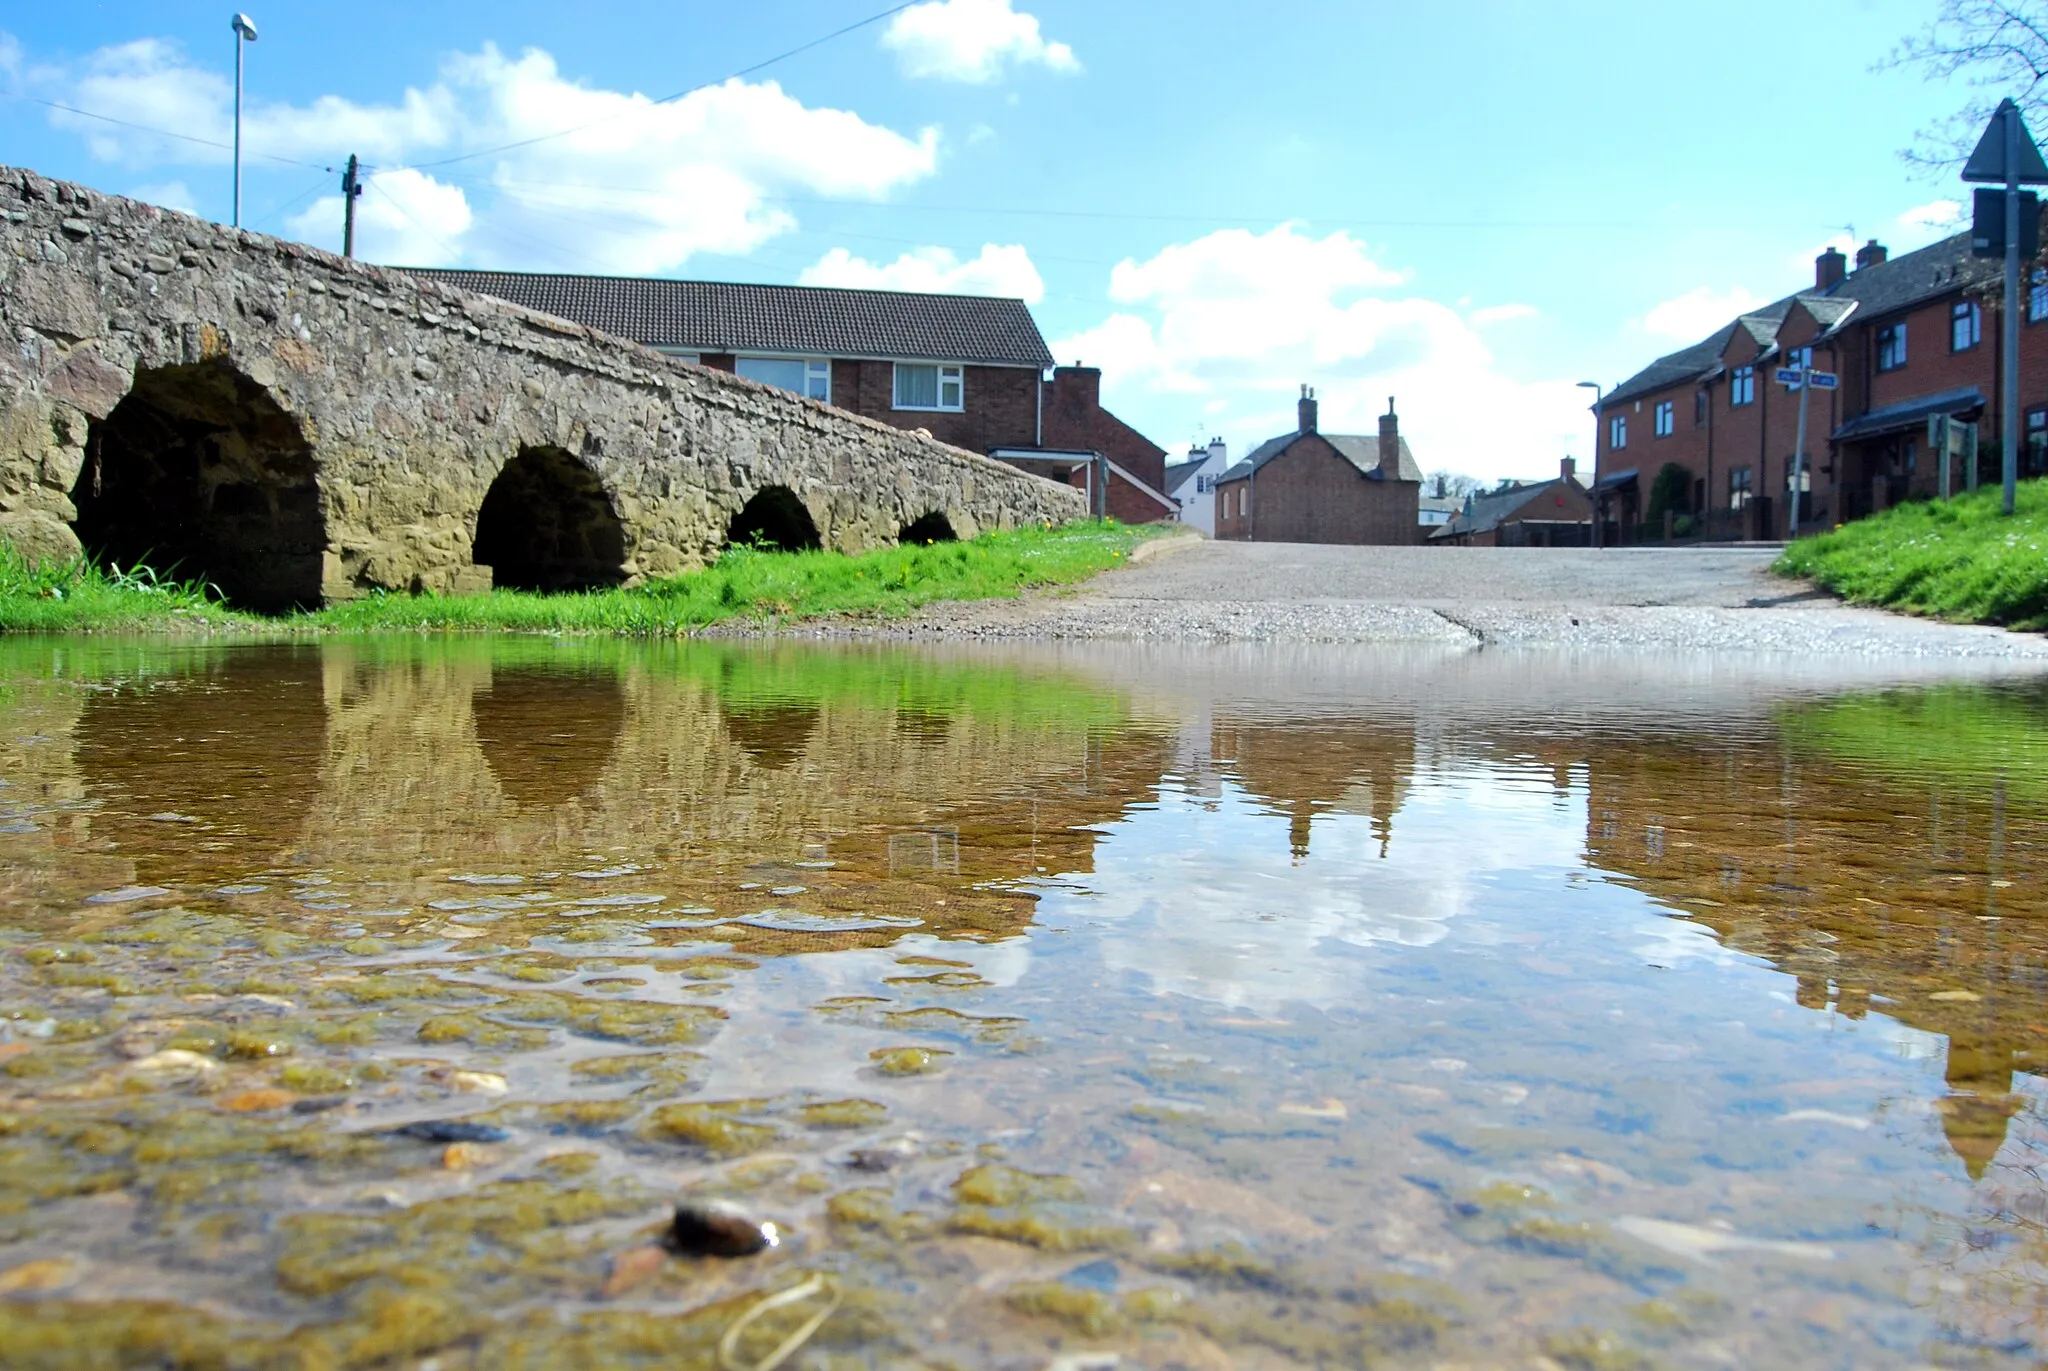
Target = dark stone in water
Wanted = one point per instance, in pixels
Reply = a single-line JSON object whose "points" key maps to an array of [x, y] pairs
{"points": [[449, 1131], [714, 1228], [319, 1105], [885, 1156]]}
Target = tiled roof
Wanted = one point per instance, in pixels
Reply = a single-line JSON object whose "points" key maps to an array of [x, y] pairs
{"points": [[1177, 475], [1362, 450], [1903, 282], [1485, 512], [726, 316], [1910, 414]]}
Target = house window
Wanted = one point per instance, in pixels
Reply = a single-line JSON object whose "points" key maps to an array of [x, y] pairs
{"points": [[1741, 387], [1965, 326], [1891, 347], [2037, 442], [2037, 297], [1738, 487], [1699, 408], [1243, 498], [929, 385], [1799, 357], [810, 376], [1617, 431], [1665, 423]]}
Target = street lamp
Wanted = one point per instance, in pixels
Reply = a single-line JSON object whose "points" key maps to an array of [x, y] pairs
{"points": [[245, 32], [1599, 417]]}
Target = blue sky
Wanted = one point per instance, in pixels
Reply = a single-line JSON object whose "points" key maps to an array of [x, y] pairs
{"points": [[1467, 207]]}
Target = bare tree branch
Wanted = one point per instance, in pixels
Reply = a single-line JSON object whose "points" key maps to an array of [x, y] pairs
{"points": [[1988, 48]]}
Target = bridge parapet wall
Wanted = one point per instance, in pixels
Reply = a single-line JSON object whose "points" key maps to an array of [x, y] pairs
{"points": [[397, 401]]}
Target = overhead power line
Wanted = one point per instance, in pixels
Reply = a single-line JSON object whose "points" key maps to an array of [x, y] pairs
{"points": [[161, 133], [679, 95]]}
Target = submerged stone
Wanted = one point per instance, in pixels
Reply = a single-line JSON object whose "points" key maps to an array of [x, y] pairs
{"points": [[719, 1228], [449, 1131]]}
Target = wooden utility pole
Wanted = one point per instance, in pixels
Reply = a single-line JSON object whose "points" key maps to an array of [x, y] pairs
{"points": [[351, 190]]}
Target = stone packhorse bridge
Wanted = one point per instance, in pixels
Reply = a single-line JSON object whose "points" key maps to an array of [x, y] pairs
{"points": [[299, 428]]}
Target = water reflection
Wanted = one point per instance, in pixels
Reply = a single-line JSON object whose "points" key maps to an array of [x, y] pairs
{"points": [[1478, 1008]]}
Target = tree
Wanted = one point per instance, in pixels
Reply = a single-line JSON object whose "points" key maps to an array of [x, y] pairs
{"points": [[1671, 490], [1449, 485], [1990, 48]]}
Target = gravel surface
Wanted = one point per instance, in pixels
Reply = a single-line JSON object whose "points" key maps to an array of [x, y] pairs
{"points": [[1686, 600]]}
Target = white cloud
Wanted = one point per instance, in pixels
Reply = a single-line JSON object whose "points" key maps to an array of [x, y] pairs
{"points": [[972, 41], [1935, 214], [1692, 316], [1501, 314], [1246, 318], [406, 218], [999, 270], [170, 194], [639, 186]]}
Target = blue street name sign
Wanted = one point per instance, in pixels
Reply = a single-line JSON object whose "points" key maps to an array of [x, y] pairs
{"points": [[1788, 376], [1821, 380]]}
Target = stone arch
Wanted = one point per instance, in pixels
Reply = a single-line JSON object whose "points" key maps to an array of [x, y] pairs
{"points": [[933, 527], [548, 736], [199, 473], [774, 518], [547, 524]]}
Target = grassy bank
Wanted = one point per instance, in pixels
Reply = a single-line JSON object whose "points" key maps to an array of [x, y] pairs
{"points": [[743, 585], [1956, 559]]}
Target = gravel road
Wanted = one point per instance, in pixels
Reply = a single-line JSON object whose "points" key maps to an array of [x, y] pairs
{"points": [[1680, 599]]}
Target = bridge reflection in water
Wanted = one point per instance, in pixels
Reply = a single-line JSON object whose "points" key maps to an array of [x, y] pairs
{"points": [[1647, 941]]}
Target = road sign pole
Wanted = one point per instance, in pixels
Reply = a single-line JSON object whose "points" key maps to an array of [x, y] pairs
{"points": [[2010, 404], [1799, 453]]}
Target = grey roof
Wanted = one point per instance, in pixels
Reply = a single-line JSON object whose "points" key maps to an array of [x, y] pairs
{"points": [[1360, 449], [1484, 513], [1901, 283], [1910, 413], [728, 316], [1177, 473]]}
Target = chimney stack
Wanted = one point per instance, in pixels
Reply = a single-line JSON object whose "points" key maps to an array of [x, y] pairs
{"points": [[1830, 269], [1306, 409], [1390, 444], [1568, 470], [1870, 254]]}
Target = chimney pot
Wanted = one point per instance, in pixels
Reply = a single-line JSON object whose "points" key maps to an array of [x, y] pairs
{"points": [[1568, 470], [1390, 444], [1305, 410], [1871, 254]]}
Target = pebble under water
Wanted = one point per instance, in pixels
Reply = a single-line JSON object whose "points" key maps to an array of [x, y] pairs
{"points": [[483, 1004]]}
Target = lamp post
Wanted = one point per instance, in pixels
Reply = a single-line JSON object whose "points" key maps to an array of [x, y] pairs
{"points": [[245, 32], [1599, 417]]}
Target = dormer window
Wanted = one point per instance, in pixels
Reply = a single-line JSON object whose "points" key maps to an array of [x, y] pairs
{"points": [[1741, 387]]}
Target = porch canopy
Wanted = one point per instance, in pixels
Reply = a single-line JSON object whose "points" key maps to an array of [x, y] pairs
{"points": [[1909, 414]]}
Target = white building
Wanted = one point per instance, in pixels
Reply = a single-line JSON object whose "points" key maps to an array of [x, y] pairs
{"points": [[1192, 484]]}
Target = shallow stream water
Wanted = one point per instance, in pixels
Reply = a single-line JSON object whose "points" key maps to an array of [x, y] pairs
{"points": [[1239, 1008]]}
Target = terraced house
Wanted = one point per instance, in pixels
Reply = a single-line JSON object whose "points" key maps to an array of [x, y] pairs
{"points": [[1909, 337], [968, 369]]}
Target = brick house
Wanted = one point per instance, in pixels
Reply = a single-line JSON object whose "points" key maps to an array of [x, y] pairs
{"points": [[968, 369], [1909, 337], [1553, 513], [1314, 487]]}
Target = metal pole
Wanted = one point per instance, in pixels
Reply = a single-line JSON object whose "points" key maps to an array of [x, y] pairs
{"points": [[2011, 401], [1799, 451], [238, 128], [350, 189], [1599, 427]]}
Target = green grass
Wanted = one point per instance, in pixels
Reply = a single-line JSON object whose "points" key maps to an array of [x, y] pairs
{"points": [[743, 585], [1956, 559], [1967, 738]]}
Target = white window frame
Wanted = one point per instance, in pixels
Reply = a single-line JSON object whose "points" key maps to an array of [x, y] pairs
{"points": [[1617, 432], [948, 374], [817, 373], [1667, 421], [1741, 387]]}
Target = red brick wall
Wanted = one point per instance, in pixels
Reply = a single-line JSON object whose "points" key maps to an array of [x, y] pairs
{"points": [[1311, 494], [1001, 404], [1076, 420]]}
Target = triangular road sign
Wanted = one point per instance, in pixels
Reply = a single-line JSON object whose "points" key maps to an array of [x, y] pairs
{"points": [[1987, 163]]}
